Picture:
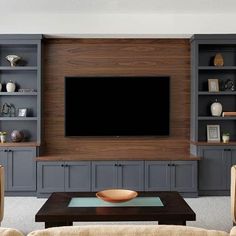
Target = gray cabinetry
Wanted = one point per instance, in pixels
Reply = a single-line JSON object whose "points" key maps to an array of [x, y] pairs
{"points": [[20, 169], [51, 177], [214, 169], [178, 176], [59, 176], [26, 75], [131, 175], [157, 176], [217, 157], [104, 175], [77, 176], [184, 176], [117, 174]]}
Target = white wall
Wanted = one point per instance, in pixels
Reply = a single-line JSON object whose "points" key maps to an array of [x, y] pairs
{"points": [[117, 25]]}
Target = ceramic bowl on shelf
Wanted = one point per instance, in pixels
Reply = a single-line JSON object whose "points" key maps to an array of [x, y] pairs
{"points": [[116, 195], [13, 59]]}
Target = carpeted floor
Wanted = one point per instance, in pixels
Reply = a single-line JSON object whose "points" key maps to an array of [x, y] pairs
{"points": [[211, 212]]}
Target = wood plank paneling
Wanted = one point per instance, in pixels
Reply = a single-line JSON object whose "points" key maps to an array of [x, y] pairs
{"points": [[117, 57]]}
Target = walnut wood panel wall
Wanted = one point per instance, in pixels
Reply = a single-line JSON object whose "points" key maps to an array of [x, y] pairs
{"points": [[79, 57]]}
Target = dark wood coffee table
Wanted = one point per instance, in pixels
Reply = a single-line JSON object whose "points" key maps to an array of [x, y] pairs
{"points": [[55, 211]]}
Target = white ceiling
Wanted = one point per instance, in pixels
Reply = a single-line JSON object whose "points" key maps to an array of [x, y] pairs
{"points": [[117, 6]]}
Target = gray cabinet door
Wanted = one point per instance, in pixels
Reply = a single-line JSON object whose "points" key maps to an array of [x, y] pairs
{"points": [[131, 175], [4, 163], [50, 176], [77, 176], [212, 169], [184, 176], [231, 155], [157, 176], [22, 169], [104, 175]]}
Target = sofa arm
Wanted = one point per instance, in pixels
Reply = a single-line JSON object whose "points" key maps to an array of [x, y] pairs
{"points": [[9, 232], [233, 231]]}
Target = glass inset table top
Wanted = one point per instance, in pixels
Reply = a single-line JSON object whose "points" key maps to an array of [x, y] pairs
{"points": [[96, 202]]}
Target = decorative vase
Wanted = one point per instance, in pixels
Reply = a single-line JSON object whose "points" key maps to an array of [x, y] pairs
{"points": [[17, 136], [216, 108], [218, 60], [3, 138], [13, 59], [11, 87], [225, 138]]}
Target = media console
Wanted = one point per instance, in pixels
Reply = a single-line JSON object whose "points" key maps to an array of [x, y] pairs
{"points": [[86, 176]]}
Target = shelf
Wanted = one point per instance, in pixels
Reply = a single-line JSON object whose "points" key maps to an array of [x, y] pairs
{"points": [[216, 118], [205, 143], [217, 93], [18, 94], [16, 68], [217, 68], [17, 118], [19, 144]]}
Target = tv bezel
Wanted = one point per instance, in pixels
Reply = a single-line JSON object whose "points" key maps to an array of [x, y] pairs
{"points": [[119, 136]]}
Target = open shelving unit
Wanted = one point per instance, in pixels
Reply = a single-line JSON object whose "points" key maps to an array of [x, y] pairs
{"points": [[26, 75], [216, 157], [204, 49]]}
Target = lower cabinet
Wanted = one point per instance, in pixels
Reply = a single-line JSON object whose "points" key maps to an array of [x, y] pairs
{"points": [[94, 176], [118, 174], [178, 176], [214, 169], [20, 169], [59, 176]]}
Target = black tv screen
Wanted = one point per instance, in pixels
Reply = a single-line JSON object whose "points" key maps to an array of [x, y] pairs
{"points": [[117, 106]]}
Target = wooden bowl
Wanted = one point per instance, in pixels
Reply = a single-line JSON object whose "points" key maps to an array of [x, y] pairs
{"points": [[116, 195]]}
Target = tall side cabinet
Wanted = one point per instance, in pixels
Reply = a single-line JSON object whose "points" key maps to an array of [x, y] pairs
{"points": [[19, 158], [217, 157]]}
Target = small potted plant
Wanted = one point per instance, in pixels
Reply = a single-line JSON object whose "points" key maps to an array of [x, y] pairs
{"points": [[3, 136], [225, 137]]}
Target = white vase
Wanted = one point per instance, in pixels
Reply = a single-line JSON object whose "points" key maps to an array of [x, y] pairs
{"points": [[11, 87], [216, 109]]}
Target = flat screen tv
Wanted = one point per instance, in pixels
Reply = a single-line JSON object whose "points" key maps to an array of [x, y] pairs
{"points": [[117, 106]]}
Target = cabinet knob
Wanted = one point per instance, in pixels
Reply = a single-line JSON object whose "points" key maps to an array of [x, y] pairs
{"points": [[62, 165], [66, 165], [5, 150], [120, 165], [115, 165], [169, 165]]}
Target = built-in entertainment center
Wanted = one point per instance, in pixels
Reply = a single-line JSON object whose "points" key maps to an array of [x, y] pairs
{"points": [[116, 113]]}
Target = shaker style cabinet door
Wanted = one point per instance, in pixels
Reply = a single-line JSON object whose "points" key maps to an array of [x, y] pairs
{"points": [[131, 175], [21, 169], [184, 176], [4, 163], [212, 169], [77, 176], [104, 175], [157, 176], [50, 176]]}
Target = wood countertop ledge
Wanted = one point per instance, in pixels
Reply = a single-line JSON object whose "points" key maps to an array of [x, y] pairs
{"points": [[60, 157], [231, 143], [19, 144]]}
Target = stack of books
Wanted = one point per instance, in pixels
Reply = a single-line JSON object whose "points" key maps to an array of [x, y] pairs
{"points": [[229, 113]]}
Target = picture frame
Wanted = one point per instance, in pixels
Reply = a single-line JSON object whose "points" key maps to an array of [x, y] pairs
{"points": [[213, 85], [22, 112], [213, 133]]}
